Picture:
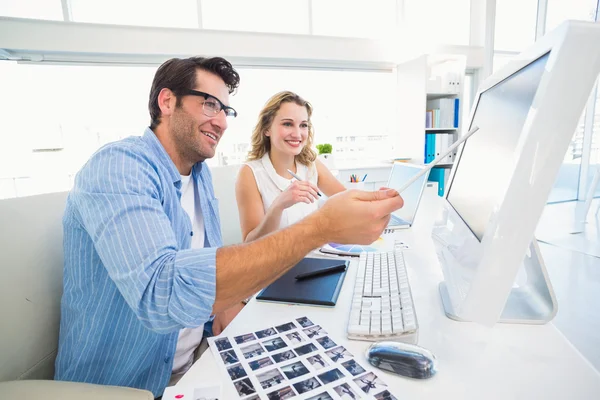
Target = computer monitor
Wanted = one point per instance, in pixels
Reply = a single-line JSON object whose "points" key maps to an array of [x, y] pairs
{"points": [[484, 236]]}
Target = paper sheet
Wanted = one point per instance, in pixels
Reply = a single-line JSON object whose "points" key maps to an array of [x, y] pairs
{"points": [[295, 359], [201, 392]]}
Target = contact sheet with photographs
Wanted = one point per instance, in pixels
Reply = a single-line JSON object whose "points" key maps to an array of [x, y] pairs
{"points": [[296, 359]]}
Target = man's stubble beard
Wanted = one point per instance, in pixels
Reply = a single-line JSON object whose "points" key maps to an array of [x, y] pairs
{"points": [[189, 138]]}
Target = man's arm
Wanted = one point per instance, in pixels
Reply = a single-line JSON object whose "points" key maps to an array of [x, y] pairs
{"points": [[349, 217], [245, 269], [118, 199]]}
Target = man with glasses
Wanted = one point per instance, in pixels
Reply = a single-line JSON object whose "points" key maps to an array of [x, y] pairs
{"points": [[144, 264]]}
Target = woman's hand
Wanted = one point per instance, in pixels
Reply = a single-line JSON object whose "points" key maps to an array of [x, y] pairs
{"points": [[297, 192]]}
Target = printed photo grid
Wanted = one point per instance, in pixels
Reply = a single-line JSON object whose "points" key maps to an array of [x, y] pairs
{"points": [[296, 359]]}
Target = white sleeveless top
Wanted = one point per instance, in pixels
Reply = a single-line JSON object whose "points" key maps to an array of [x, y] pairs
{"points": [[270, 185]]}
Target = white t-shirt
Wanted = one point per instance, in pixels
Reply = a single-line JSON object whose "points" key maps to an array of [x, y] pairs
{"points": [[270, 185], [190, 338]]}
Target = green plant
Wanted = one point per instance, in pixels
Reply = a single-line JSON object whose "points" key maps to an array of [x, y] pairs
{"points": [[324, 148]]}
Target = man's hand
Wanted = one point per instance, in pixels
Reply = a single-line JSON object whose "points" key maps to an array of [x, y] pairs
{"points": [[223, 318], [357, 217]]}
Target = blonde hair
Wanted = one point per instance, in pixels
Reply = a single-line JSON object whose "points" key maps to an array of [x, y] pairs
{"points": [[261, 143]]}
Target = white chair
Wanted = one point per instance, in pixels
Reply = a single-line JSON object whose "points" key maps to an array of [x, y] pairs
{"points": [[31, 263], [224, 184]]}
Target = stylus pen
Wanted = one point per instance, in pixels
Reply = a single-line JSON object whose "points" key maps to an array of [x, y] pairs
{"points": [[437, 160], [299, 179], [322, 271]]}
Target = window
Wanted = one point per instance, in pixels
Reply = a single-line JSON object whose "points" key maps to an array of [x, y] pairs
{"points": [[561, 10], [276, 16], [595, 151], [515, 24], [77, 109], [80, 108], [566, 184], [353, 110], [595, 154], [37, 9], [438, 21], [354, 18], [177, 13]]}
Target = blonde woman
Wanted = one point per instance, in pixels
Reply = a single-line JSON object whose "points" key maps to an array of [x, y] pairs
{"points": [[268, 196]]}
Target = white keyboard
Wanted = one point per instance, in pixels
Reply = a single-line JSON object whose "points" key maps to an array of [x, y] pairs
{"points": [[382, 306]]}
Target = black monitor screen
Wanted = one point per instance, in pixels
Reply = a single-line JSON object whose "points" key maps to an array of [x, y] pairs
{"points": [[487, 160]]}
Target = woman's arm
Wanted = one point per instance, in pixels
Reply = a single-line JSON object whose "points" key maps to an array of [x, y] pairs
{"points": [[253, 220], [326, 181]]}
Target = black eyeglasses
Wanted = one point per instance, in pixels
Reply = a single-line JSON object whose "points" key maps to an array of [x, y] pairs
{"points": [[212, 106]]}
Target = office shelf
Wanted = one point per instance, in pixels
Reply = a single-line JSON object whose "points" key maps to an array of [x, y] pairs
{"points": [[429, 88]]}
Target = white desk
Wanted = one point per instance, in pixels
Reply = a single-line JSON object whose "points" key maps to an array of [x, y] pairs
{"points": [[475, 362]]}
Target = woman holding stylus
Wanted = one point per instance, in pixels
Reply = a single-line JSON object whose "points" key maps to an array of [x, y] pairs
{"points": [[283, 179]]}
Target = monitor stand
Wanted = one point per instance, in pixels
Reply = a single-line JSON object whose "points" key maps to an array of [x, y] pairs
{"points": [[530, 302]]}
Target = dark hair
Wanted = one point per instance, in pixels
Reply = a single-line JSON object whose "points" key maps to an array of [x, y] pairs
{"points": [[179, 74]]}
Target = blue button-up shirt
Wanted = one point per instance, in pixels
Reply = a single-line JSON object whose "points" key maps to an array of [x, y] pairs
{"points": [[131, 281]]}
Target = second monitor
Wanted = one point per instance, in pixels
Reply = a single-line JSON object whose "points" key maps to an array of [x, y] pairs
{"points": [[401, 173]]}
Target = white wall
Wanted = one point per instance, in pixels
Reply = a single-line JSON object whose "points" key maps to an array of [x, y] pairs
{"points": [[412, 98]]}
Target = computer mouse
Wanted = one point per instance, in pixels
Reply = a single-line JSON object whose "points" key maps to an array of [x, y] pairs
{"points": [[404, 359]]}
